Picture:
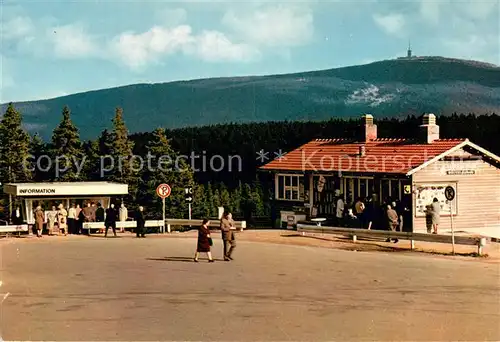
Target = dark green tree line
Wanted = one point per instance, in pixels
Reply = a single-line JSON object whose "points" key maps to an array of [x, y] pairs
{"points": [[242, 191]]}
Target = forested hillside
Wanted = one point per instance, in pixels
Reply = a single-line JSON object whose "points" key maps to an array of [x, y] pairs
{"points": [[391, 88]]}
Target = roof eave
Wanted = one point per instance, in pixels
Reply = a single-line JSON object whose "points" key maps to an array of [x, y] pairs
{"points": [[464, 143]]}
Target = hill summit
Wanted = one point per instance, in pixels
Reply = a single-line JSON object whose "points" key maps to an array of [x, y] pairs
{"points": [[389, 88]]}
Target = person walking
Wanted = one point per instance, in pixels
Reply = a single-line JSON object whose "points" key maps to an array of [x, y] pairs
{"points": [[204, 241], [39, 220], [139, 217], [228, 239], [110, 221], [435, 214]]}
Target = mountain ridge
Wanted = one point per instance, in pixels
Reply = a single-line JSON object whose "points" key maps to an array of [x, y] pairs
{"points": [[392, 88]]}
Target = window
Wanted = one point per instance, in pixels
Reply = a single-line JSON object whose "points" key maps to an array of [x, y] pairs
{"points": [[390, 189], [357, 187], [395, 189], [290, 187], [385, 190]]}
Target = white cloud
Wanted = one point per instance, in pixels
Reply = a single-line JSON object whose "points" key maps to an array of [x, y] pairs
{"points": [[137, 50], [16, 28], [71, 41], [392, 24], [249, 29], [275, 26], [214, 46], [248, 32]]}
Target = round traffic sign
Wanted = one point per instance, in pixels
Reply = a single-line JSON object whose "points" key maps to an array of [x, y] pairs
{"points": [[449, 192], [163, 190]]}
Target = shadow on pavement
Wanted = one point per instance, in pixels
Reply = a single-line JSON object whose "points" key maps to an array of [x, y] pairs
{"points": [[181, 259], [102, 236]]}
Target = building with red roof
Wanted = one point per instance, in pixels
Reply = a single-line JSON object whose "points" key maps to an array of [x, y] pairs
{"points": [[411, 172]]}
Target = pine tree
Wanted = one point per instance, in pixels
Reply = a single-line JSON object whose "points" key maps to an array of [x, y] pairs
{"points": [[235, 205], [257, 197], [125, 169], [14, 148], [92, 171], [37, 149], [166, 167], [210, 202], [67, 149], [247, 202], [216, 200], [225, 198], [201, 209]]}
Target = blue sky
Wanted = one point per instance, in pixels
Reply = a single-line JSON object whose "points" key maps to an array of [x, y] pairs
{"points": [[54, 48]]}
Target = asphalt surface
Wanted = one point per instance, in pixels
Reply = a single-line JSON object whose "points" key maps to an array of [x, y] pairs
{"points": [[128, 289]]}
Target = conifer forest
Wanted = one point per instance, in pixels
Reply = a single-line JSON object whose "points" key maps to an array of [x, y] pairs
{"points": [[238, 185]]}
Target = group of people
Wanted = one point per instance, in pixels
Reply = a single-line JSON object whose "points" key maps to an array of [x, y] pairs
{"points": [[71, 221], [369, 213], [390, 215], [55, 217], [205, 241]]}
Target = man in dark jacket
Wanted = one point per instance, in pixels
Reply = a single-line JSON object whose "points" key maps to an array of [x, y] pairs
{"points": [[139, 218], [99, 213], [110, 222]]}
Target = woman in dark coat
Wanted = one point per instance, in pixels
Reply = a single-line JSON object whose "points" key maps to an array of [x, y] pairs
{"points": [[204, 241]]}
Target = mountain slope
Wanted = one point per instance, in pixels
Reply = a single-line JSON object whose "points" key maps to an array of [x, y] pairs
{"points": [[387, 88]]}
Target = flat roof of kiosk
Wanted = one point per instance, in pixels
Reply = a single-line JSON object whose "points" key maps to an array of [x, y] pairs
{"points": [[65, 189]]}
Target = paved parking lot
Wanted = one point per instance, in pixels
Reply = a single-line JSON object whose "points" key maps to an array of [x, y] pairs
{"points": [[81, 288]]}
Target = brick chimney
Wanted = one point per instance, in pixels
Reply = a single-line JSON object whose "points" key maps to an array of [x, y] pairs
{"points": [[429, 131], [368, 129], [362, 150]]}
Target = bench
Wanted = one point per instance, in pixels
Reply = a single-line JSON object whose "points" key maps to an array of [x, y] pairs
{"points": [[480, 242], [9, 229], [122, 224], [159, 223]]}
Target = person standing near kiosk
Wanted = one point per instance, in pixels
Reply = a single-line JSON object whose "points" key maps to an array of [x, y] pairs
{"points": [[139, 217], [39, 220], [110, 222]]}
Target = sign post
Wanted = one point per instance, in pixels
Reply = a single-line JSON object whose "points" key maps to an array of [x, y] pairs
{"points": [[163, 191], [449, 192], [189, 199]]}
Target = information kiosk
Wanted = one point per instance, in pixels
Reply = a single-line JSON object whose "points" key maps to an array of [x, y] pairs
{"points": [[52, 194]]}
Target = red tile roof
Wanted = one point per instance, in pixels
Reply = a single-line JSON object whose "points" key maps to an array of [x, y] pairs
{"points": [[381, 155]]}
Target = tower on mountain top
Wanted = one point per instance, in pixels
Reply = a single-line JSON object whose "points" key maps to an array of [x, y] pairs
{"points": [[409, 50]]}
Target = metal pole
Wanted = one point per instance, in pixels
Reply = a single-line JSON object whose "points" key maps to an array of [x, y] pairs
{"points": [[452, 230], [189, 204], [163, 230], [10, 209]]}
